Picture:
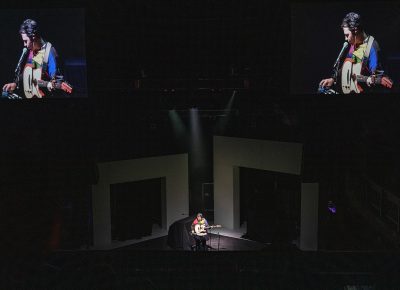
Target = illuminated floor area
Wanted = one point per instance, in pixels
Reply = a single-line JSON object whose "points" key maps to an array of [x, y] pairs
{"points": [[236, 233], [219, 240], [215, 243]]}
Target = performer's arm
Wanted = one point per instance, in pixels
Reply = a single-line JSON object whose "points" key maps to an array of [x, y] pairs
{"points": [[10, 87], [52, 63], [373, 64], [193, 225], [52, 67]]}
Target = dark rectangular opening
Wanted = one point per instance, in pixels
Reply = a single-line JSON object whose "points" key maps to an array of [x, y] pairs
{"points": [[270, 204], [135, 207]]}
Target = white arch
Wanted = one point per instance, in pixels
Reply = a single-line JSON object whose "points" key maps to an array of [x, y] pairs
{"points": [[232, 153], [175, 206]]}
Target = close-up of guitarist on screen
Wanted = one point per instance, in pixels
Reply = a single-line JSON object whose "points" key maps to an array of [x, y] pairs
{"points": [[358, 68], [37, 74]]}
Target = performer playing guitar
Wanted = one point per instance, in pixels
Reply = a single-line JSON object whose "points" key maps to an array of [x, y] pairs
{"points": [[41, 76], [201, 229], [199, 232], [358, 67], [352, 78]]}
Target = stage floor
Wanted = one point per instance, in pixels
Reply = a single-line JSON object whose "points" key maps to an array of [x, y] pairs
{"points": [[215, 243], [221, 239]]}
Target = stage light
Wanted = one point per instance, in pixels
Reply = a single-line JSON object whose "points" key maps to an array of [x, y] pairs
{"points": [[223, 122], [196, 138], [177, 124]]}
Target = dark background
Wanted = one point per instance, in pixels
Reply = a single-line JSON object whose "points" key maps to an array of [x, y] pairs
{"points": [[154, 56], [147, 57]]}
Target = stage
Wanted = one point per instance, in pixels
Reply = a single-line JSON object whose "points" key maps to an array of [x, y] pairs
{"points": [[215, 243], [221, 239]]}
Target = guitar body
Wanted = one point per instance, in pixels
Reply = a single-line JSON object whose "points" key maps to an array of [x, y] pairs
{"points": [[352, 77], [349, 81], [32, 80], [31, 87], [201, 229]]}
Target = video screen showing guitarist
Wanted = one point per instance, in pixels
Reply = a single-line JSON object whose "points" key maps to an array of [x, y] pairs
{"points": [[199, 232], [37, 71], [358, 68]]}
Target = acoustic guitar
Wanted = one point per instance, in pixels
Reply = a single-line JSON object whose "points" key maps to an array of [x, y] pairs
{"points": [[351, 78], [201, 229], [32, 81]]}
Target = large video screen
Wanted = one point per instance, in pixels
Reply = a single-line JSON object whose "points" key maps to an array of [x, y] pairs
{"points": [[43, 53], [353, 43]]}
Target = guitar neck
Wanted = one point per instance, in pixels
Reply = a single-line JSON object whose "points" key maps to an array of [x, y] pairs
{"points": [[211, 227], [64, 86], [43, 84], [363, 79]]}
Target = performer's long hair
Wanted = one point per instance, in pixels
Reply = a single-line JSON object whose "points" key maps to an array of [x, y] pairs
{"points": [[30, 28], [353, 21]]}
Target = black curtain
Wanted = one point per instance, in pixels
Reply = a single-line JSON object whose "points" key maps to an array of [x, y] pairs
{"points": [[270, 204], [135, 207], [179, 234]]}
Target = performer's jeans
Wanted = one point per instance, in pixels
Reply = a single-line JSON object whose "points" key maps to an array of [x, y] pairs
{"points": [[200, 243]]}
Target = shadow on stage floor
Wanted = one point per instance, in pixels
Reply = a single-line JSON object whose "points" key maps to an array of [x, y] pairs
{"points": [[215, 243]]}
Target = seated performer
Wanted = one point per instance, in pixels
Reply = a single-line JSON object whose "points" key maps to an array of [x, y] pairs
{"points": [[199, 232], [37, 68], [358, 67]]}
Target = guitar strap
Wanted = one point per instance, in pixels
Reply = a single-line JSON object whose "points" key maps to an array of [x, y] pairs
{"points": [[369, 45], [46, 56]]}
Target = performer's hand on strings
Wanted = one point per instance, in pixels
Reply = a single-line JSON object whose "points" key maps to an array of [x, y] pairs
{"points": [[371, 80], [50, 86]]}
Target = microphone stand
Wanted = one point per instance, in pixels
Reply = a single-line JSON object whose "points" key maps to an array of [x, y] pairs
{"points": [[335, 71], [18, 68], [327, 90], [336, 64], [16, 78], [209, 243]]}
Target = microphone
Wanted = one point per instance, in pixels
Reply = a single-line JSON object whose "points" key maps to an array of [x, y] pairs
{"points": [[345, 45], [24, 52]]}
